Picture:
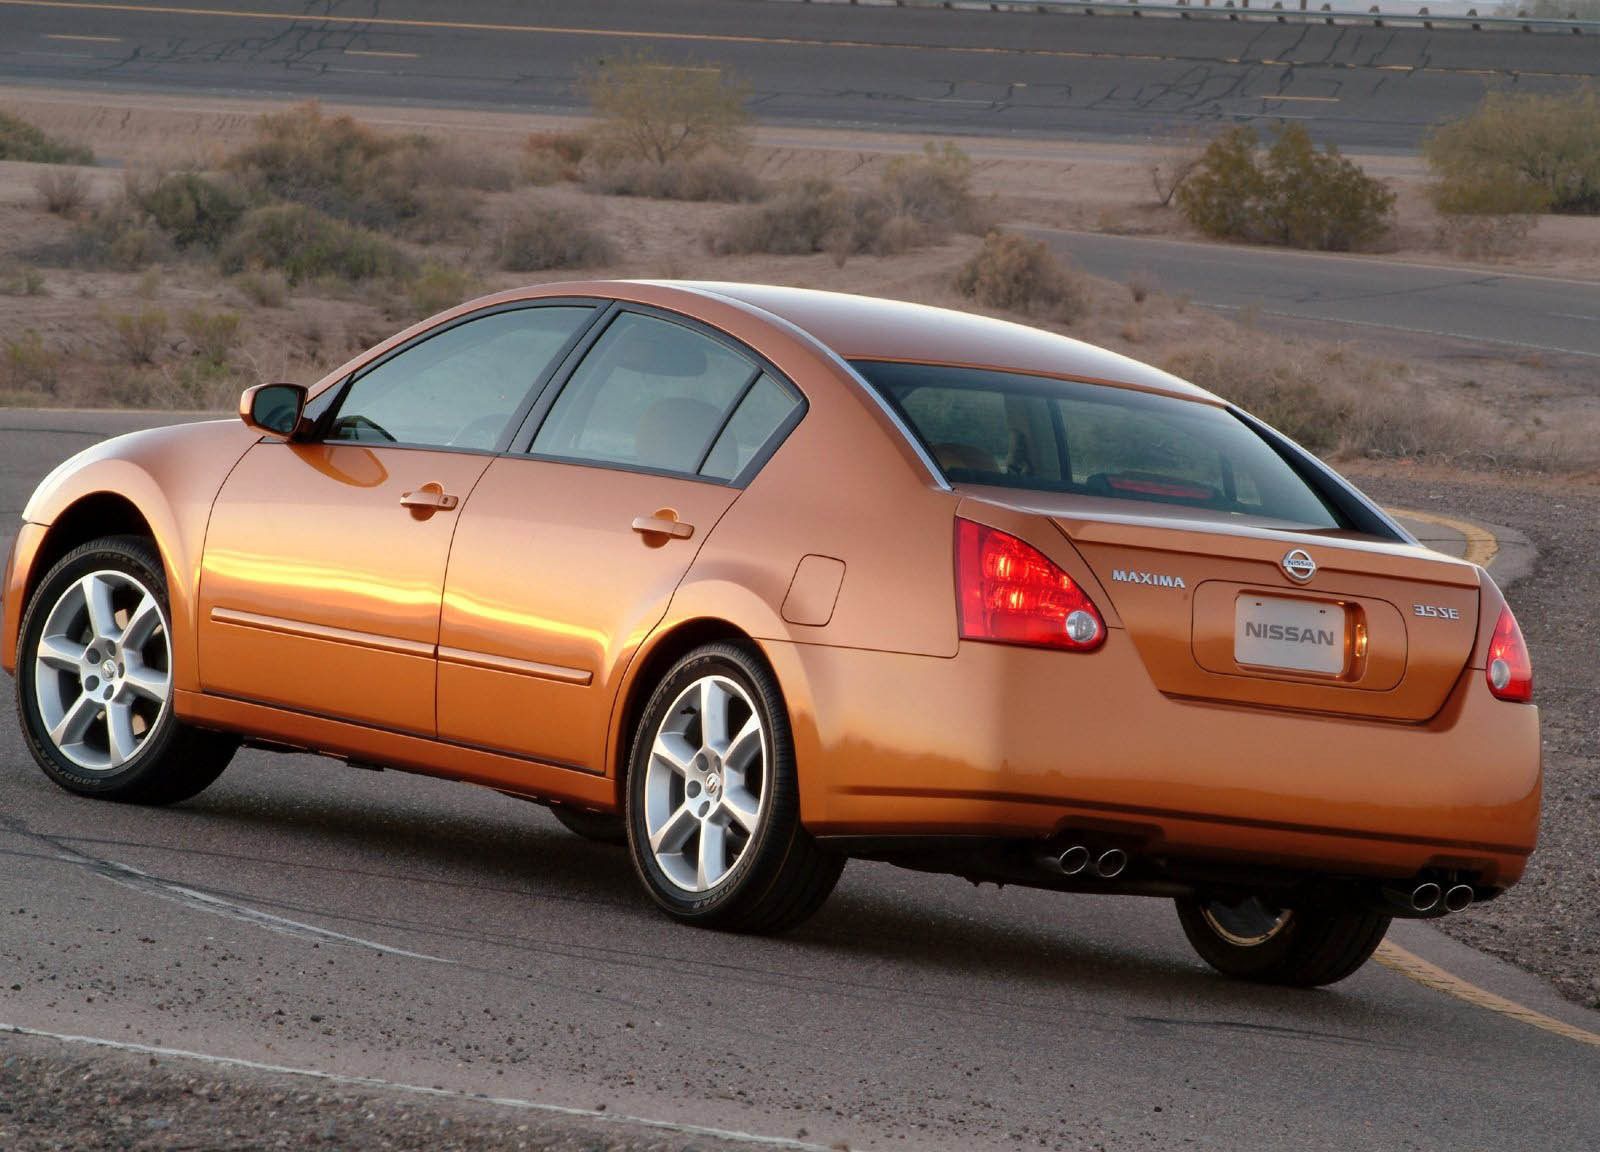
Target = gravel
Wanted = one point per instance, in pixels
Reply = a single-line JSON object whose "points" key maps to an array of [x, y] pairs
{"points": [[1549, 923]]}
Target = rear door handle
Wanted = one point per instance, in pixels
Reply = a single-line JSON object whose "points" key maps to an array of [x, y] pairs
{"points": [[430, 497], [659, 525]]}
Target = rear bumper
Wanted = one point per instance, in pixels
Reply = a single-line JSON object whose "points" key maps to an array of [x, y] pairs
{"points": [[1002, 741]]}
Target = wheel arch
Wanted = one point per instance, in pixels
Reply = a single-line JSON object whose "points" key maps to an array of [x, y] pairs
{"points": [[91, 516]]}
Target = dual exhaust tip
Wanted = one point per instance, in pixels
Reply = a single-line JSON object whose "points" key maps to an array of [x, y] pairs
{"points": [[1077, 860], [1430, 897]]}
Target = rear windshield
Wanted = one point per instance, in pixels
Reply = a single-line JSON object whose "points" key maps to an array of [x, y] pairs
{"points": [[1014, 431]]}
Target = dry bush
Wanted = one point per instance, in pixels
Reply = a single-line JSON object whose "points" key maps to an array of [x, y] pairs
{"points": [[710, 176], [341, 168], [658, 112], [212, 336], [20, 140], [935, 190], [1022, 275], [551, 157], [305, 244], [30, 363], [265, 288], [193, 210], [64, 191], [1293, 195], [140, 334], [1140, 285], [22, 280], [1172, 169], [801, 219], [540, 238], [1519, 154], [118, 235], [1484, 237], [438, 287]]}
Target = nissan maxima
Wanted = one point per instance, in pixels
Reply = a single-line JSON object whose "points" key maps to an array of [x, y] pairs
{"points": [[754, 580]]}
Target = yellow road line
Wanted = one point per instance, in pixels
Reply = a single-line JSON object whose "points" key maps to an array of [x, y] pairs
{"points": [[676, 37], [1482, 547], [385, 55], [91, 39], [1394, 957]]}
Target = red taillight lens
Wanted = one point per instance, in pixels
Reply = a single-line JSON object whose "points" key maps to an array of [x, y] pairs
{"points": [[1011, 592], [1509, 669]]}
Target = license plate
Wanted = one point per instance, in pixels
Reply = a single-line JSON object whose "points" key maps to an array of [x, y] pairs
{"points": [[1299, 635]]}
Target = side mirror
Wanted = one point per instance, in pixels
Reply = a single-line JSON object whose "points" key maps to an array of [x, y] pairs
{"points": [[274, 409]]}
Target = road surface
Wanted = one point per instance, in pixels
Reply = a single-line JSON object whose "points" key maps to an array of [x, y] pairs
{"points": [[308, 914], [910, 69]]}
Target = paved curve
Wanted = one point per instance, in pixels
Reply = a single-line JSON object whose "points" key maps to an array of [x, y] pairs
{"points": [[915, 69], [303, 913], [1514, 311]]}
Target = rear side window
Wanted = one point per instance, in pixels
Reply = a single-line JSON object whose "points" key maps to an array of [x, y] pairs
{"points": [[655, 395], [1015, 431]]}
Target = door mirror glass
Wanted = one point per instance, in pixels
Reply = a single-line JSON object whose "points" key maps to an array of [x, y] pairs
{"points": [[273, 408]]}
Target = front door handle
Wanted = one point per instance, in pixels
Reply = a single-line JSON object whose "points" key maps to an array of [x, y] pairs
{"points": [[430, 498], [663, 523]]}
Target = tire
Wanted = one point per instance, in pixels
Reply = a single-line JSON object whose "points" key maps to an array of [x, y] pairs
{"points": [[1302, 948], [734, 855], [94, 681], [601, 827]]}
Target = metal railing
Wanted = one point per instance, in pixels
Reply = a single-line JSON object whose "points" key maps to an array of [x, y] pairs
{"points": [[1242, 10]]}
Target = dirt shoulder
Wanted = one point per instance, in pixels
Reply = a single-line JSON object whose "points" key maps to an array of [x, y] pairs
{"points": [[1550, 923]]}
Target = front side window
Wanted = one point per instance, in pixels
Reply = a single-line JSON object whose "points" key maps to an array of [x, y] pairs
{"points": [[1016, 431], [650, 394], [461, 388]]}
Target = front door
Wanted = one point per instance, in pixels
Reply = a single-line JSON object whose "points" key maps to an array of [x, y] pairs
{"points": [[565, 558], [325, 561]]}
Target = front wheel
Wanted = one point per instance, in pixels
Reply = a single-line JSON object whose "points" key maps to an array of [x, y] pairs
{"points": [[713, 801], [1253, 939], [94, 680]]}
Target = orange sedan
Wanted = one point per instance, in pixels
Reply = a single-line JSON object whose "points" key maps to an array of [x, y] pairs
{"points": [[758, 579]]}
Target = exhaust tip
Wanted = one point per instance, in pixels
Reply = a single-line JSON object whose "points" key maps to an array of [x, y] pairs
{"points": [[1458, 897], [1073, 861], [1111, 863], [1425, 897]]}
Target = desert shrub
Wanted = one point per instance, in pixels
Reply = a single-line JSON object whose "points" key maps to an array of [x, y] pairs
{"points": [[540, 238], [191, 209], [802, 218], [550, 157], [1293, 195], [212, 336], [265, 288], [64, 191], [1519, 154], [1171, 170], [20, 140], [22, 280], [140, 334], [1483, 237], [30, 363], [935, 190], [344, 169], [119, 236], [305, 244], [710, 176], [1022, 275], [438, 287], [658, 112]]}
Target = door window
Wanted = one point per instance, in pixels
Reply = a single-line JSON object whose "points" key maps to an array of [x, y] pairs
{"points": [[651, 394], [763, 412], [461, 388]]}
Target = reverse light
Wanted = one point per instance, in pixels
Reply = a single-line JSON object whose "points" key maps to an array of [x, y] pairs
{"points": [[1010, 592], [1509, 668]]}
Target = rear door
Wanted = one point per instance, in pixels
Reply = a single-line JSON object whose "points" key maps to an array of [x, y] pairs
{"points": [[325, 561], [568, 554]]}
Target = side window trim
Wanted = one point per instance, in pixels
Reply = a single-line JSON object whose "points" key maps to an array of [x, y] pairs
{"points": [[522, 443], [598, 307], [727, 418]]}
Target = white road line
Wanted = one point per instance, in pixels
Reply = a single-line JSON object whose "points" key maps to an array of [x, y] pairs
{"points": [[419, 1090], [205, 902]]}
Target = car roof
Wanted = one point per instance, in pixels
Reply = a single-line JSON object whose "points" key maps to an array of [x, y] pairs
{"points": [[871, 328]]}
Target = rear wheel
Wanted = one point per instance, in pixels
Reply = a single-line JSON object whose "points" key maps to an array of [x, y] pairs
{"points": [[94, 680], [713, 802], [1253, 939]]}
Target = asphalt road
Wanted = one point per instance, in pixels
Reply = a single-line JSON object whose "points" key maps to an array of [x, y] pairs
{"points": [[1386, 297], [914, 69], [304, 913]]}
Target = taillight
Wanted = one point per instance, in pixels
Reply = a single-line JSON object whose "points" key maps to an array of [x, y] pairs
{"points": [[1509, 669], [1011, 592]]}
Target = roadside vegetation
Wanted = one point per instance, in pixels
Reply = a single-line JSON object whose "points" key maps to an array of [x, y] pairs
{"points": [[20, 140]]}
